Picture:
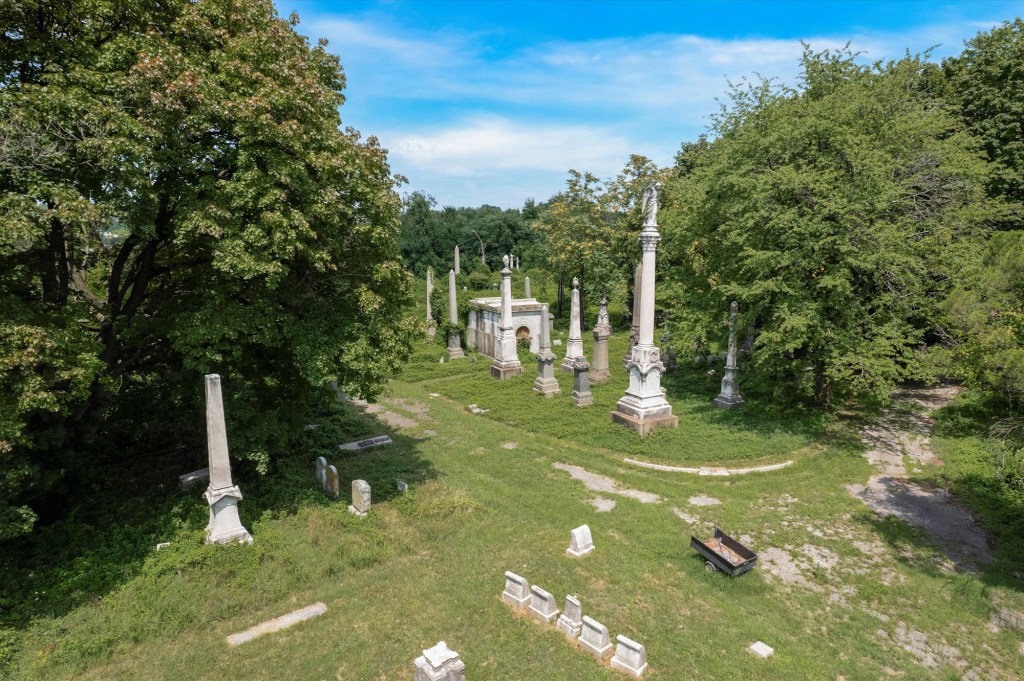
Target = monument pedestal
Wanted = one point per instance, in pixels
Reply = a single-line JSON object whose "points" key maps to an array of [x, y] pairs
{"points": [[455, 346], [645, 426], [546, 384], [505, 370], [225, 526]]}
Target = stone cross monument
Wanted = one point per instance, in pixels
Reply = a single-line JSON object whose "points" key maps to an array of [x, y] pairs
{"points": [[602, 330], [730, 395], [546, 384], [506, 360], [644, 407], [634, 323], [574, 348], [454, 340], [431, 325], [457, 260], [222, 495]]}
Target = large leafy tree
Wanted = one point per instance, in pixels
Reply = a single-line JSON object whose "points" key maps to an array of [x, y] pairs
{"points": [[839, 215], [177, 197]]}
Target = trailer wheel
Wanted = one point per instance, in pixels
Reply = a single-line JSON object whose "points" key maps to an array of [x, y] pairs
{"points": [[710, 567]]}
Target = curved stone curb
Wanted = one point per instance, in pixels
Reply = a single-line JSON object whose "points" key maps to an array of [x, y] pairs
{"points": [[711, 470]]}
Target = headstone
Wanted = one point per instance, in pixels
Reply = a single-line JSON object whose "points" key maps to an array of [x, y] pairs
{"points": [[542, 605], [402, 486], [439, 663], [375, 441], [762, 650], [634, 322], [570, 622], [457, 261], [360, 498], [644, 407], [599, 370], [574, 347], [580, 542], [729, 397], [321, 472], [222, 494], [333, 484], [517, 262], [506, 358], [581, 395], [594, 638], [431, 324], [630, 656], [517, 591], [454, 340], [526, 287], [190, 480], [546, 384]]}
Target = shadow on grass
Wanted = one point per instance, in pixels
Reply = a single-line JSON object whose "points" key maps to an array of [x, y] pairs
{"points": [[123, 506]]}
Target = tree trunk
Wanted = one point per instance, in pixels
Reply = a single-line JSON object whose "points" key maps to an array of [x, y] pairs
{"points": [[561, 296], [822, 387]]}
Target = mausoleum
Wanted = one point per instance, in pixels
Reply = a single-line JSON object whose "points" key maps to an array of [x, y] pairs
{"points": [[485, 317]]}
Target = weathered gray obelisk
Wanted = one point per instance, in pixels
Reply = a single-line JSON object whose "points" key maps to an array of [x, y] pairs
{"points": [[574, 346], [602, 330], [644, 407], [454, 337], [546, 384], [506, 360], [526, 288], [457, 260], [730, 395], [222, 495], [431, 324], [634, 323]]}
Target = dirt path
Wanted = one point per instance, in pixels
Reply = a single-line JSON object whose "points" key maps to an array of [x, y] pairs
{"points": [[903, 435]]}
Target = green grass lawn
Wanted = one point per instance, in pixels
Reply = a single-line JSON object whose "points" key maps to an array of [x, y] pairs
{"points": [[870, 599]]}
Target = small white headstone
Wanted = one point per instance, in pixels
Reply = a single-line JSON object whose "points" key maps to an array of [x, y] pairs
{"points": [[321, 472], [542, 605], [333, 484], [163, 545], [570, 622], [630, 656], [762, 650], [360, 498], [369, 442], [517, 591], [402, 487], [580, 542], [595, 639]]}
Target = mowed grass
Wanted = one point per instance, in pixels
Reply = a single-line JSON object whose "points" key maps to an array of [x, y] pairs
{"points": [[485, 498]]}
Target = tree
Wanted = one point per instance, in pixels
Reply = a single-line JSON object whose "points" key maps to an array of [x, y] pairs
{"points": [[839, 214], [197, 209]]}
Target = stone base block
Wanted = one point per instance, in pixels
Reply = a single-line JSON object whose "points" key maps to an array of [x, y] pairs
{"points": [[568, 364], [519, 603], [645, 426], [548, 387], [728, 401], [503, 373], [568, 627], [582, 399], [578, 554], [355, 511], [600, 653], [541, 617], [599, 375], [623, 667], [456, 353]]}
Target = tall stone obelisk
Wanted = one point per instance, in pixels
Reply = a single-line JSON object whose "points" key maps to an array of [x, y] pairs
{"points": [[574, 346], [457, 259], [454, 337], [730, 395], [602, 330], [506, 360], [644, 407], [546, 384], [222, 495], [431, 324], [634, 323]]}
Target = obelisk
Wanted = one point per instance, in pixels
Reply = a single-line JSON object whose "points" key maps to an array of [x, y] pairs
{"points": [[457, 271], [454, 339], [222, 495], [431, 324], [546, 384], [602, 330], [506, 360], [644, 407], [526, 288], [730, 395], [574, 346], [634, 322]]}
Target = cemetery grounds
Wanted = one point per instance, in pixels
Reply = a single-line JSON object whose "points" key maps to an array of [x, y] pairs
{"points": [[839, 592]]}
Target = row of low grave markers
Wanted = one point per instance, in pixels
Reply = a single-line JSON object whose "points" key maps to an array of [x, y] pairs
{"points": [[327, 476], [591, 635]]}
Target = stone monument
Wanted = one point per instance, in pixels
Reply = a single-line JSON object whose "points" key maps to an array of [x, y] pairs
{"points": [[630, 656], [431, 324], [332, 484], [542, 605], [457, 270], [574, 348], [454, 340], [222, 495], [546, 384], [634, 322], [730, 395], [517, 591], [594, 638], [602, 330], [570, 622], [581, 395], [360, 498], [580, 542], [506, 358], [439, 663], [526, 288], [644, 407]]}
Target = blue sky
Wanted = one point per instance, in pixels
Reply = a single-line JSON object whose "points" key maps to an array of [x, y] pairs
{"points": [[488, 102]]}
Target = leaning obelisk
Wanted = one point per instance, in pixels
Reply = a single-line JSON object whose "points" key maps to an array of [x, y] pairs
{"points": [[222, 495], [644, 407]]}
